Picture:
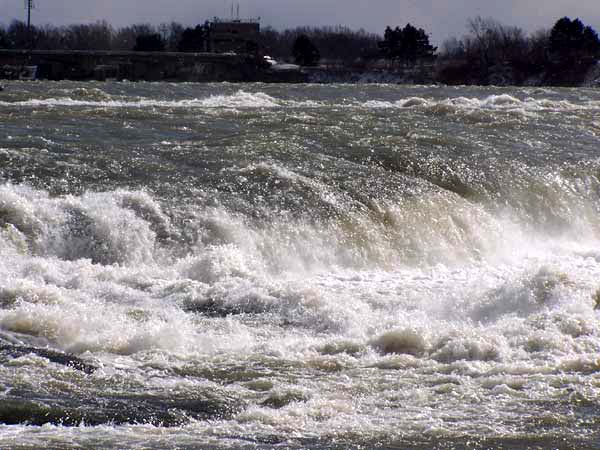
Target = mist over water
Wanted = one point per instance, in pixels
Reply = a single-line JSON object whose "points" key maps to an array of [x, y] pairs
{"points": [[278, 266]]}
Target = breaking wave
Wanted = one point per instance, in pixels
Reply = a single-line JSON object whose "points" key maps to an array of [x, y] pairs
{"points": [[97, 98], [503, 102], [267, 277], [240, 99], [283, 221]]}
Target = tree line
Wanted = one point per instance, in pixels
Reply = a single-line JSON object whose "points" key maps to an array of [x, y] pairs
{"points": [[333, 42], [303, 45], [493, 53], [338, 43], [489, 52], [94, 36]]}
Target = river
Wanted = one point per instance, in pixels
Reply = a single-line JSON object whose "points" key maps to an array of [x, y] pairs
{"points": [[298, 266]]}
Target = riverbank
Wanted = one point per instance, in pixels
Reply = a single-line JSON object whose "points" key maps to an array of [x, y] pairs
{"points": [[455, 74], [231, 67], [128, 65]]}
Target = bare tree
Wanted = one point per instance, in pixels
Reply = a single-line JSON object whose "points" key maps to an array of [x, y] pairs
{"points": [[95, 36], [172, 33], [125, 38], [452, 48]]}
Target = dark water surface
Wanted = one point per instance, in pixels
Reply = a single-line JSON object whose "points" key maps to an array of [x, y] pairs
{"points": [[296, 266]]}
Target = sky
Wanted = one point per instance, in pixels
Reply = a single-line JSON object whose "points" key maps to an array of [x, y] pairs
{"points": [[440, 18]]}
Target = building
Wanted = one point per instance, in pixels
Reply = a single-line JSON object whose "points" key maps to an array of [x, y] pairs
{"points": [[233, 36]]}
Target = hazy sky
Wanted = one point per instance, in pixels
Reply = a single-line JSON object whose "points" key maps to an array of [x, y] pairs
{"points": [[440, 18]]}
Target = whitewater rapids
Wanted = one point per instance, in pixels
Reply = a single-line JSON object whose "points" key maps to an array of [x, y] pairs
{"points": [[337, 266]]}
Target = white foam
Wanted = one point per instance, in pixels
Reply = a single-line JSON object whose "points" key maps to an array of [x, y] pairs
{"points": [[502, 102], [367, 305], [96, 98], [107, 228], [240, 99]]}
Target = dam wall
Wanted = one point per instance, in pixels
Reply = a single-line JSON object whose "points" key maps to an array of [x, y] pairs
{"points": [[127, 65]]}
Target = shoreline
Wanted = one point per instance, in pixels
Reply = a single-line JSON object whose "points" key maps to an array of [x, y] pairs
{"points": [[57, 65]]}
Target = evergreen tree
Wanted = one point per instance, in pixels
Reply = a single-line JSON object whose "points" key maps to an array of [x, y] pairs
{"points": [[391, 44], [304, 51], [591, 42], [571, 40], [408, 44]]}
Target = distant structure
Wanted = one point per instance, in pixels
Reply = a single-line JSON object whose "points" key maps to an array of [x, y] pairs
{"points": [[233, 36], [29, 5]]}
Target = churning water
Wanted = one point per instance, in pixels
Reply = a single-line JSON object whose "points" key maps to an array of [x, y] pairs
{"points": [[260, 266]]}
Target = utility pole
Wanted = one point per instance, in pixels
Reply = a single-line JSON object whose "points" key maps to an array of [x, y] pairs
{"points": [[29, 5]]}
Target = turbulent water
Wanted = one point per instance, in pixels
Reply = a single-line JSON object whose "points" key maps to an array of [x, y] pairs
{"points": [[258, 266]]}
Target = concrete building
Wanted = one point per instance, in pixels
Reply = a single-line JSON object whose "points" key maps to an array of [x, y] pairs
{"points": [[233, 36]]}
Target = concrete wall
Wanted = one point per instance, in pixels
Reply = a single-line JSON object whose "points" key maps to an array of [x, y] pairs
{"points": [[149, 66]]}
